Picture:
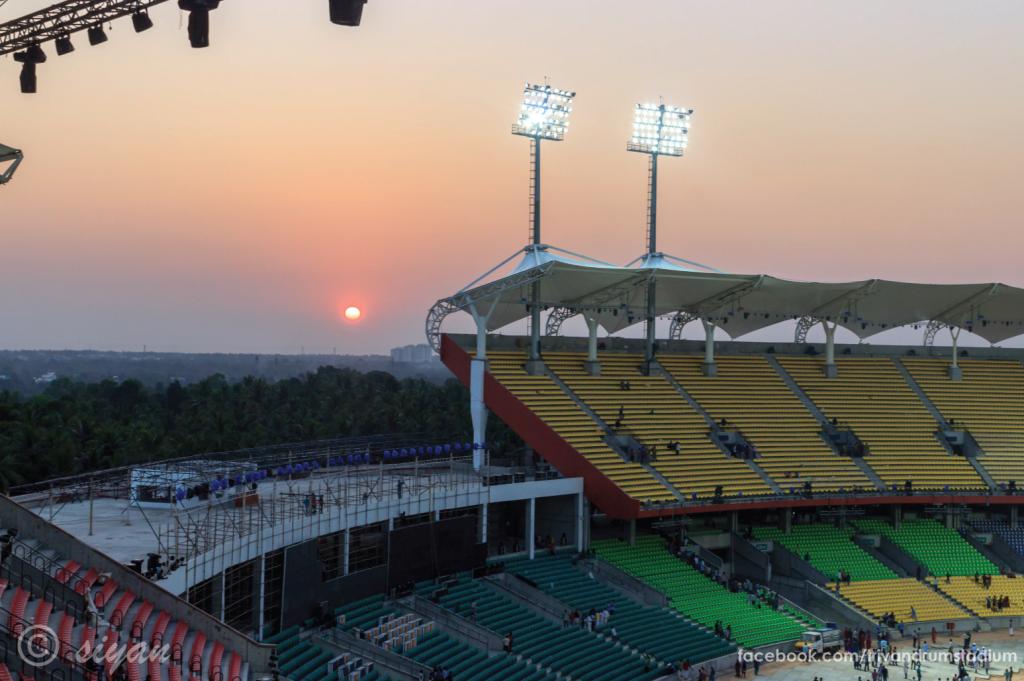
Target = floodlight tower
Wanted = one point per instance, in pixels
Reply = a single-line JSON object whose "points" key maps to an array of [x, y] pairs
{"points": [[544, 115], [658, 130]]}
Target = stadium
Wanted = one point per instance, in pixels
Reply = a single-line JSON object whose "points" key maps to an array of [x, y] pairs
{"points": [[684, 501], [681, 508]]}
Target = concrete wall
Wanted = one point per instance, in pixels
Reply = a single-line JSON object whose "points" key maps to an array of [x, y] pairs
{"points": [[748, 561], [900, 557], [788, 564]]}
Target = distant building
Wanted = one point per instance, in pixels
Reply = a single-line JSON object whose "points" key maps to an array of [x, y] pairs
{"points": [[48, 377], [413, 354]]}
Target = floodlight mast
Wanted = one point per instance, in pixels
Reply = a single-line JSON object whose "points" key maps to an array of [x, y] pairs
{"points": [[544, 115], [658, 130]]}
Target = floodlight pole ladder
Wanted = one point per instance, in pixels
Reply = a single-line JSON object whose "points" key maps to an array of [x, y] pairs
{"points": [[535, 239], [652, 248]]}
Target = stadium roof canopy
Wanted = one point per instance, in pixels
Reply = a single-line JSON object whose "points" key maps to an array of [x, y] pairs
{"points": [[738, 303]]}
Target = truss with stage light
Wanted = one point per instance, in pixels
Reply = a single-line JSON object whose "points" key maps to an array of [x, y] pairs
{"points": [[13, 157]]}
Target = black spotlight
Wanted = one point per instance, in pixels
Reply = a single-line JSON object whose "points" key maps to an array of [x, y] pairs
{"points": [[64, 45], [198, 20], [28, 60], [346, 12], [141, 21], [28, 76], [35, 55], [97, 35]]}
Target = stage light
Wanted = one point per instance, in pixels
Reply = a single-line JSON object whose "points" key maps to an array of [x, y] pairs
{"points": [[141, 21], [28, 78], [346, 12], [198, 20], [64, 45], [544, 113], [660, 129], [96, 35], [35, 55], [28, 60]]}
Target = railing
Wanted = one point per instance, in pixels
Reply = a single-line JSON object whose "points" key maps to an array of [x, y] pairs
{"points": [[521, 590], [339, 638], [825, 498], [628, 583], [60, 668], [473, 633], [49, 568]]}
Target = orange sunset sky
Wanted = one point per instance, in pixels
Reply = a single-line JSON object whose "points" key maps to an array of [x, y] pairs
{"points": [[238, 198]]}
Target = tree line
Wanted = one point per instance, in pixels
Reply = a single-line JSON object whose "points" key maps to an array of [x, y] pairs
{"points": [[77, 427]]}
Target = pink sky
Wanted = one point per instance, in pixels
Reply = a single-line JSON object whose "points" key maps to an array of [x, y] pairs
{"points": [[237, 198]]}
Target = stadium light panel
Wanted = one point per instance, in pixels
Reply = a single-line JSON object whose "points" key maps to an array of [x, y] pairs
{"points": [[660, 129], [96, 35], [141, 21], [544, 113], [346, 12], [64, 45]]}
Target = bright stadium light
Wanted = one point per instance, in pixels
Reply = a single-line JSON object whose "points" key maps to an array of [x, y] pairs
{"points": [[544, 115], [658, 130]]}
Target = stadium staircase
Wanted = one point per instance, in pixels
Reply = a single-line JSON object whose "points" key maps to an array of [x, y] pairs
{"points": [[1014, 538], [299, 658], [434, 647], [823, 422], [698, 597], [944, 425], [748, 393], [610, 438], [939, 549], [658, 631], [870, 396], [543, 397], [712, 424], [570, 651], [656, 415], [829, 550], [988, 401]]}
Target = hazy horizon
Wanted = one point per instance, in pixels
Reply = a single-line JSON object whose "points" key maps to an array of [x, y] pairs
{"points": [[236, 198]]}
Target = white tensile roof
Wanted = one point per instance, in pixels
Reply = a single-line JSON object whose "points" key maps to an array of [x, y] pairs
{"points": [[738, 303]]}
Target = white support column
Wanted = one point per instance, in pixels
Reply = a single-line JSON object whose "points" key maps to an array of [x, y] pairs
{"points": [[223, 591], [531, 525], [830, 349], [631, 532], [593, 366], [955, 372], [345, 552], [261, 562], [581, 519], [483, 523], [1013, 517], [710, 368], [477, 409]]}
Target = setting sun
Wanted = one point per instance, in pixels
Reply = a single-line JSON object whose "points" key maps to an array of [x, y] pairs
{"points": [[352, 313]]}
